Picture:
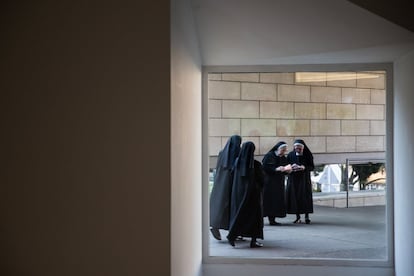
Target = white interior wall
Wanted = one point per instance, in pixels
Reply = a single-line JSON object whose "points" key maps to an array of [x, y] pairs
{"points": [[292, 270], [403, 164], [387, 43], [185, 144], [269, 32]]}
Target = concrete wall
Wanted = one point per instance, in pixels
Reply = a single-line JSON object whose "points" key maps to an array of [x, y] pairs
{"points": [[85, 148], [403, 165], [334, 112], [354, 199], [186, 124]]}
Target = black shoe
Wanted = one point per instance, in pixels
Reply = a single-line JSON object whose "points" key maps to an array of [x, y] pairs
{"points": [[255, 244], [216, 233], [240, 238], [297, 221], [307, 221], [231, 242]]}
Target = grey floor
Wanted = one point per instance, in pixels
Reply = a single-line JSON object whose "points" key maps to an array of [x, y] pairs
{"points": [[343, 233]]}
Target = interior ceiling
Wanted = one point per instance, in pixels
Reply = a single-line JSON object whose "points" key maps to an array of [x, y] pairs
{"points": [[398, 12], [267, 32]]}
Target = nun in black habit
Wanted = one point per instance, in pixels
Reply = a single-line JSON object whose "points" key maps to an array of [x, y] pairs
{"points": [[299, 186], [223, 182], [275, 166], [246, 216]]}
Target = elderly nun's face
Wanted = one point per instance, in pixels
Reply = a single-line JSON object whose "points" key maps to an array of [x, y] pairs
{"points": [[282, 151], [298, 149]]}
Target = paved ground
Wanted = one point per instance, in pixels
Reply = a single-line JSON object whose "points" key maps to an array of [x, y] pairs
{"points": [[356, 233]]}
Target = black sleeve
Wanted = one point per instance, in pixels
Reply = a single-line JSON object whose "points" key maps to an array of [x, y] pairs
{"points": [[310, 166], [269, 164]]}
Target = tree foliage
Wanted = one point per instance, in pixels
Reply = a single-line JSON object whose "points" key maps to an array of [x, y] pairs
{"points": [[361, 172]]}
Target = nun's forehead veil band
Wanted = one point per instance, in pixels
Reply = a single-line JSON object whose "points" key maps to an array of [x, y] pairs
{"points": [[282, 146]]}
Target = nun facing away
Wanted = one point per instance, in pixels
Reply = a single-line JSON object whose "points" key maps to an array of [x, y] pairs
{"points": [[275, 166], [223, 182], [299, 186], [246, 216]]}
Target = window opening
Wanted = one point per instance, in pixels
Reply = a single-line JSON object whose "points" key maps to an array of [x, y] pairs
{"points": [[342, 118]]}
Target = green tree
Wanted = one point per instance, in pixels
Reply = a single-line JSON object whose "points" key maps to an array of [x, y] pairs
{"points": [[361, 172]]}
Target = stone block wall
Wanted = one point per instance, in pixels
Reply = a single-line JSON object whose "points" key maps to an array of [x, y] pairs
{"points": [[334, 112]]}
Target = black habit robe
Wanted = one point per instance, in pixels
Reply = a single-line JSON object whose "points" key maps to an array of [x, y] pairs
{"points": [[274, 204], [246, 216], [299, 186], [223, 182]]}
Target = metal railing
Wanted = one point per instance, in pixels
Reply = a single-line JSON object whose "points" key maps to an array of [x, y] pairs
{"points": [[356, 161]]}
